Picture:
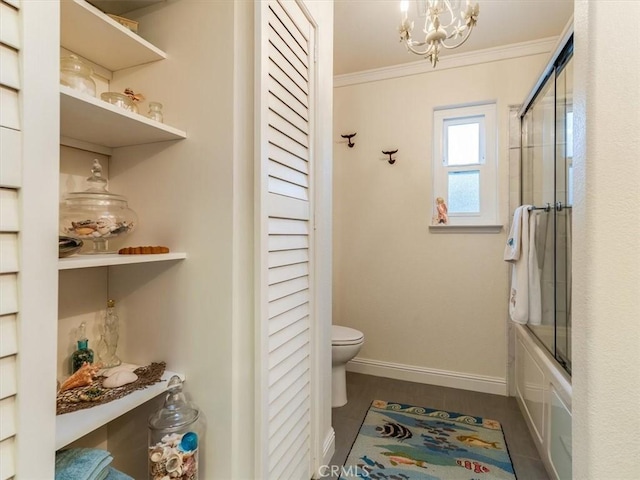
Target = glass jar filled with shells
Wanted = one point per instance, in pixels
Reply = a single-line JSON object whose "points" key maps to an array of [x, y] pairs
{"points": [[96, 214], [174, 436]]}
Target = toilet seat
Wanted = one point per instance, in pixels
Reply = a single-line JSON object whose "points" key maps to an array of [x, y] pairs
{"points": [[345, 336]]}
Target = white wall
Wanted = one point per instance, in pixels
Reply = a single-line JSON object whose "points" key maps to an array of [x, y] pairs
{"points": [[434, 301], [606, 228], [183, 194]]}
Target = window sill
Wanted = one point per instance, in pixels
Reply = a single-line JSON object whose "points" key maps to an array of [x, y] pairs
{"points": [[465, 228]]}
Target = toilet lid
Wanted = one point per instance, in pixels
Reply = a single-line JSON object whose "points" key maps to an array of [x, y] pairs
{"points": [[345, 336]]}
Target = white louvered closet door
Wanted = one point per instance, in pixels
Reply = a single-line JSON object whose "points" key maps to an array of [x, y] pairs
{"points": [[10, 183], [29, 146], [285, 228]]}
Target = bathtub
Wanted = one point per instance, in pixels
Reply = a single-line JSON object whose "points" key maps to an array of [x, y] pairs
{"points": [[543, 391]]}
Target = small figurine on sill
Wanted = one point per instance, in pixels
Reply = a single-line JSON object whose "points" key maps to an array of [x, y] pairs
{"points": [[442, 213]]}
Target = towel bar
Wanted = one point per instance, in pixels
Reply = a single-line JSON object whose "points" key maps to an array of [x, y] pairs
{"points": [[546, 208]]}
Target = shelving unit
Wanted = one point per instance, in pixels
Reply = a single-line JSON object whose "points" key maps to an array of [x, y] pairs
{"points": [[72, 426], [90, 124], [86, 31], [111, 259], [97, 122], [120, 7]]}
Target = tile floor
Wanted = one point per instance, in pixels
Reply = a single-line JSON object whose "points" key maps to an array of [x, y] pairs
{"points": [[363, 389]]}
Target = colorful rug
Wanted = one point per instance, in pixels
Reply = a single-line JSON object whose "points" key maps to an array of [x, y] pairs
{"points": [[403, 442]]}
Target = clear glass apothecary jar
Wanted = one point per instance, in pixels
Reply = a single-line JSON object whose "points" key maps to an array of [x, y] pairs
{"points": [[76, 74], [96, 214], [120, 100], [155, 111], [174, 437]]}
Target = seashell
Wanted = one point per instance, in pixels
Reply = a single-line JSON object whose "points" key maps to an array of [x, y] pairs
{"points": [[174, 462], [171, 439], [83, 376], [157, 454], [123, 367], [91, 395], [157, 470], [105, 225], [119, 378], [84, 231]]}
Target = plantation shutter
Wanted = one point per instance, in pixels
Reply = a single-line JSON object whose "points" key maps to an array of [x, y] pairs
{"points": [[10, 182], [286, 239]]}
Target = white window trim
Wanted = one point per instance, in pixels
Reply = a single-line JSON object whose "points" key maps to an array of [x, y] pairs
{"points": [[488, 167]]}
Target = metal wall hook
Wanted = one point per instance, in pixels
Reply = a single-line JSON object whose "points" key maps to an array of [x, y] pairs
{"points": [[349, 137], [390, 153]]}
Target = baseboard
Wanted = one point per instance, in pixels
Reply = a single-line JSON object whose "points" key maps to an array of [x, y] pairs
{"points": [[442, 378], [329, 446], [328, 449]]}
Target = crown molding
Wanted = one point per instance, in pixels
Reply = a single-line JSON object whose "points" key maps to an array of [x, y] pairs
{"points": [[524, 49]]}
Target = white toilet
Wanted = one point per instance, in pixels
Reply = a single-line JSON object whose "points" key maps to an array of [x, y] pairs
{"points": [[345, 344]]}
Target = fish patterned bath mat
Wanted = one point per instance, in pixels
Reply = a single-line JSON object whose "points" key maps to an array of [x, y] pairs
{"points": [[404, 442]]}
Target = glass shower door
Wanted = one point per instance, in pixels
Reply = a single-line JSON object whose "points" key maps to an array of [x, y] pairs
{"points": [[538, 173], [563, 207], [547, 181]]}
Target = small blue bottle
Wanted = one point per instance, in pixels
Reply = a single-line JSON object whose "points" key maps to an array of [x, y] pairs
{"points": [[83, 353]]}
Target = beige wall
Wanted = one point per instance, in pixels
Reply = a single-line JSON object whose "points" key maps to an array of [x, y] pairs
{"points": [[606, 228], [435, 301]]}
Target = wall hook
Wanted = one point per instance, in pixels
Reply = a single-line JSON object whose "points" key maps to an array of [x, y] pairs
{"points": [[390, 153], [349, 137]]}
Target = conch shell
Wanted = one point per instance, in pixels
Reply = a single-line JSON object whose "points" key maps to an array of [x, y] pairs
{"points": [[84, 376]]}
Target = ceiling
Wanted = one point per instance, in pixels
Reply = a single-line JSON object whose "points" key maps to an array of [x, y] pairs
{"points": [[366, 31]]}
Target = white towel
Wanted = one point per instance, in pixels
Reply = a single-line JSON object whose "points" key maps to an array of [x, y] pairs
{"points": [[536, 218], [525, 298], [517, 253], [512, 249]]}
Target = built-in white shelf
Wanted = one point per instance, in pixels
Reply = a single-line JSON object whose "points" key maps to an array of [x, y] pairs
{"points": [[87, 31], [94, 121], [465, 228], [74, 425], [119, 7], [112, 259]]}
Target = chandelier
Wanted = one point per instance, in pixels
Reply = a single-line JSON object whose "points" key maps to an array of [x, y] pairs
{"points": [[442, 27]]}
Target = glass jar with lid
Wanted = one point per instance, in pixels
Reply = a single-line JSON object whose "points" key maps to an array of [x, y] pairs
{"points": [[174, 435], [155, 111], [76, 74], [96, 214], [120, 100]]}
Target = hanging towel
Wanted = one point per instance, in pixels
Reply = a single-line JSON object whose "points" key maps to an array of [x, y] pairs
{"points": [[517, 253], [536, 219], [542, 227], [82, 464], [512, 249]]}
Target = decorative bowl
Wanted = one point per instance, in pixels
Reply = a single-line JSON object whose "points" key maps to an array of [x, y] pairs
{"points": [[119, 100], [67, 246]]}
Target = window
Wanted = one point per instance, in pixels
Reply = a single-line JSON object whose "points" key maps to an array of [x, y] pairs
{"points": [[464, 163]]}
